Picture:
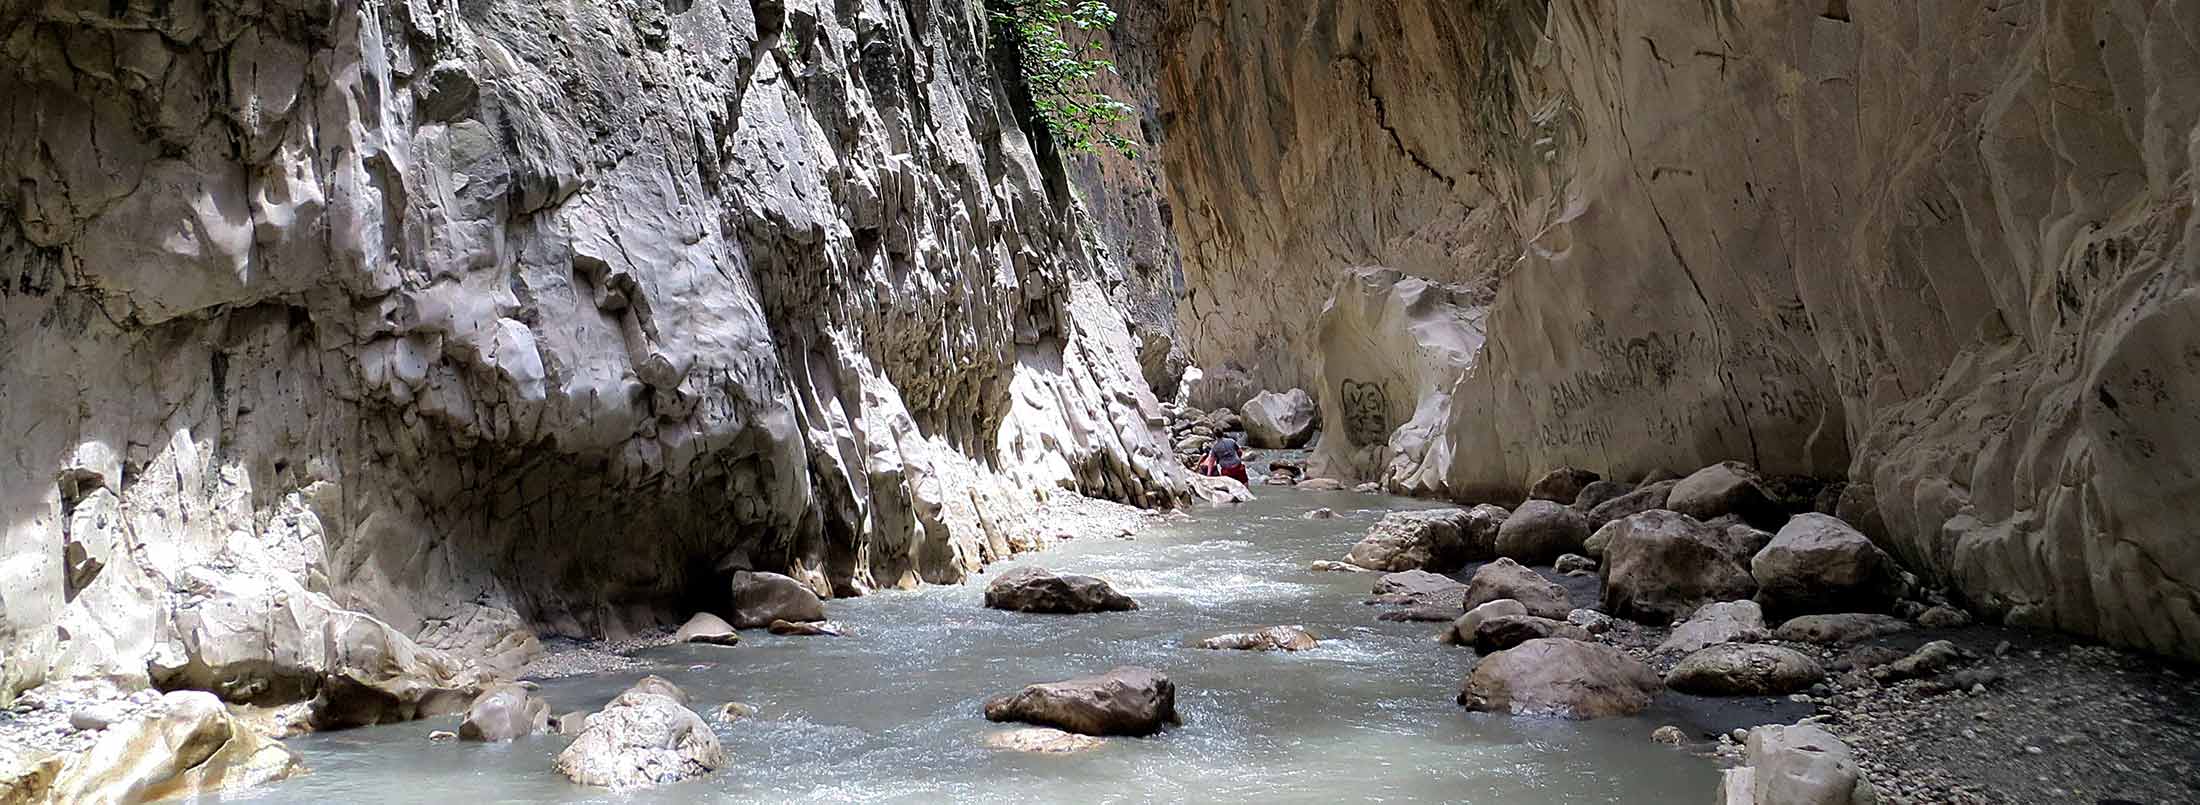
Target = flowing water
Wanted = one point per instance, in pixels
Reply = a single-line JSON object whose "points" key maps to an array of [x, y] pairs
{"points": [[893, 713]]}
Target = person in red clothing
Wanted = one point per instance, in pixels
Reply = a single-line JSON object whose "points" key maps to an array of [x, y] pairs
{"points": [[1223, 459]]}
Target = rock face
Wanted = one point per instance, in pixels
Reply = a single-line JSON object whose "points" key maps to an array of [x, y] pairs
{"points": [[1744, 669], [1391, 347], [1124, 701], [641, 739], [1660, 566], [1562, 678], [1287, 420], [1436, 540], [1818, 564], [1032, 589], [760, 598], [192, 749], [1506, 578], [531, 318], [1540, 531], [1850, 245]]}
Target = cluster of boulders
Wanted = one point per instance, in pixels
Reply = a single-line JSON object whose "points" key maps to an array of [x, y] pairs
{"points": [[1192, 431]]}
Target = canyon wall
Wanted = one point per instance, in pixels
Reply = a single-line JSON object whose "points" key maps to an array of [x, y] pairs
{"points": [[1939, 248], [486, 319]]}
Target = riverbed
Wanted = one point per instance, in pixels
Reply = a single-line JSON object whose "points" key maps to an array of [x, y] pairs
{"points": [[892, 713]]}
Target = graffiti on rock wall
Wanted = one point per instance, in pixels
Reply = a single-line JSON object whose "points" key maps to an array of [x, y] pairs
{"points": [[1366, 413]]}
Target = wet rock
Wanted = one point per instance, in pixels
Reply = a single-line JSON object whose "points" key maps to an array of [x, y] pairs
{"points": [[1928, 660], [659, 686], [1124, 701], [1331, 566], [1574, 564], [1273, 638], [732, 711], [641, 739], [1540, 531], [1286, 420], [1818, 564], [1560, 677], [1599, 493], [503, 713], [1427, 539], [1838, 629], [1419, 586], [1744, 669], [1497, 634], [805, 629], [1031, 589], [1661, 566], [1423, 613], [441, 736], [1368, 488], [1222, 489], [191, 748], [1650, 495], [1463, 629], [1728, 487], [1726, 622], [1562, 485], [1321, 514], [1944, 617], [760, 598], [1322, 485], [1041, 740], [1669, 735], [1505, 578], [707, 628], [1799, 765]]}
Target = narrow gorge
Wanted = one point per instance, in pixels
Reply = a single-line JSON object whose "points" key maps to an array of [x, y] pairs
{"points": [[380, 367]]}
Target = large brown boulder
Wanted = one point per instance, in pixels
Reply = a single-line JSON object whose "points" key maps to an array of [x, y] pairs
{"points": [[1032, 589], [1506, 631], [1123, 701], [1818, 564], [1728, 487], [1661, 566], [505, 712], [1506, 578], [1650, 495], [641, 739], [1426, 539], [1562, 485], [1745, 669], [1541, 531], [1463, 629], [760, 598], [1560, 677]]}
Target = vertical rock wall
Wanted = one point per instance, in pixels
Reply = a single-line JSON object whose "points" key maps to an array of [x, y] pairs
{"points": [[491, 317], [1941, 248]]}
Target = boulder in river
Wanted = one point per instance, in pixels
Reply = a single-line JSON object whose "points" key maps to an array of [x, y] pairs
{"points": [[1728, 487], [641, 739], [1562, 485], [1745, 669], [1286, 420], [760, 598], [1541, 531], [1712, 624], [1463, 629], [1421, 613], [1424, 539], [805, 629], [1322, 485], [1817, 563], [1799, 765], [1419, 587], [1506, 578], [1321, 514], [1661, 566], [1506, 631], [1041, 740], [189, 748], [1221, 489], [660, 686], [1852, 627], [1124, 701], [505, 712], [1033, 589], [1273, 638], [1560, 677], [1333, 566], [707, 628]]}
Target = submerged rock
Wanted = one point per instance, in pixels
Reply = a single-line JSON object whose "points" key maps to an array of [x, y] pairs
{"points": [[707, 628], [641, 739], [760, 598], [805, 629], [1273, 638], [1041, 740], [1506, 578], [1124, 701], [1745, 669], [1562, 678], [1333, 566], [1037, 590]]}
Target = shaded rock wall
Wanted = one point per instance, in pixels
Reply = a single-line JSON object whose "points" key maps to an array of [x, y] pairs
{"points": [[1941, 248], [489, 317]]}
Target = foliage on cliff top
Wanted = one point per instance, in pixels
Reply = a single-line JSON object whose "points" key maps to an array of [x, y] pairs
{"points": [[1060, 75]]}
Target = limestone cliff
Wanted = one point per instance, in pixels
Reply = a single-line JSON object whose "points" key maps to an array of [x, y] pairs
{"points": [[1943, 249], [493, 317]]}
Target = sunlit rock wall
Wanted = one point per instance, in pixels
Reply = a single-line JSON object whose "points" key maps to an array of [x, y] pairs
{"points": [[494, 317], [1939, 248]]}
